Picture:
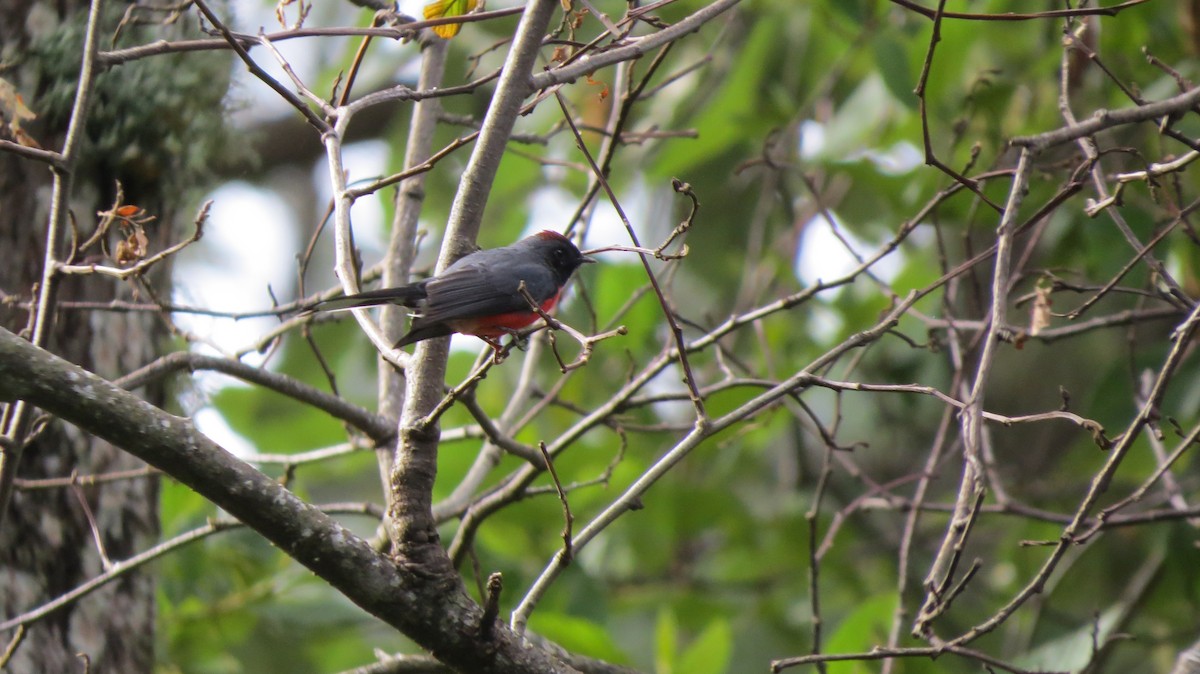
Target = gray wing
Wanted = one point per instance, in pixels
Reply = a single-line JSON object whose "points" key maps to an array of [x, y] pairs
{"points": [[485, 287]]}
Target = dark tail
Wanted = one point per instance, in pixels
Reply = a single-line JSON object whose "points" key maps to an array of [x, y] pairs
{"points": [[407, 296], [423, 332]]}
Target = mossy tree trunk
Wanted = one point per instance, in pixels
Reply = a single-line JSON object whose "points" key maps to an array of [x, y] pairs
{"points": [[47, 545]]}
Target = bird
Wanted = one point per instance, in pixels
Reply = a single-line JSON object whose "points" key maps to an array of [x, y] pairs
{"points": [[480, 294]]}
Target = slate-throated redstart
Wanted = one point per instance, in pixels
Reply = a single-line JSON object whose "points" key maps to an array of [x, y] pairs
{"points": [[480, 293]]}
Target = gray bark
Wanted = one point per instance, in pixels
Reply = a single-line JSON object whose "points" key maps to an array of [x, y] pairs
{"points": [[46, 543]]}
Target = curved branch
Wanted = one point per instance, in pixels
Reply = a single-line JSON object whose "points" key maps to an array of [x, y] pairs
{"points": [[424, 603], [633, 49], [377, 427]]}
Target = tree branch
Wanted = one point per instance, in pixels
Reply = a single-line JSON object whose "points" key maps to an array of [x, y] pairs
{"points": [[432, 609]]}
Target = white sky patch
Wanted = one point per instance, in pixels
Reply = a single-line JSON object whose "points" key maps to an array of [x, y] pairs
{"points": [[212, 424], [823, 257], [812, 139], [550, 207], [899, 159], [227, 270], [637, 200], [670, 381], [412, 8], [824, 325]]}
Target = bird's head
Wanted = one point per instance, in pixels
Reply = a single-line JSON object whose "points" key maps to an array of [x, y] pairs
{"points": [[558, 251]]}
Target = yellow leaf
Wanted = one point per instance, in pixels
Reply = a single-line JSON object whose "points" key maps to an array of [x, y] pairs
{"points": [[447, 8]]}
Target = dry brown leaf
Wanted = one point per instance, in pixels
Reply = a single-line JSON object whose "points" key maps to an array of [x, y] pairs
{"points": [[133, 248], [603, 91], [13, 111], [1039, 318]]}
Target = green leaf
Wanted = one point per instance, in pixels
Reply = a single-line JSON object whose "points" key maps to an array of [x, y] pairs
{"points": [[725, 115], [181, 508], [275, 423], [711, 651], [864, 628], [892, 61], [666, 641], [1073, 650], [578, 635]]}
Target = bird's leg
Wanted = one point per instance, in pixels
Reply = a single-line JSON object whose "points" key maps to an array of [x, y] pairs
{"points": [[497, 349], [519, 340]]}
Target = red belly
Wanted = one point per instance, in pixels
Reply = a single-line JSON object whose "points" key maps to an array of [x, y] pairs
{"points": [[499, 325]]}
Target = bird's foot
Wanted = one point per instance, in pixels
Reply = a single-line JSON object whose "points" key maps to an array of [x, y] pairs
{"points": [[498, 353]]}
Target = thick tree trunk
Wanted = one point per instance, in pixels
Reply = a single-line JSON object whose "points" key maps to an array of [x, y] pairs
{"points": [[47, 546], [46, 543]]}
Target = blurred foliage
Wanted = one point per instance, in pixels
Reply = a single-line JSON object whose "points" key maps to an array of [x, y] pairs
{"points": [[713, 574], [156, 125]]}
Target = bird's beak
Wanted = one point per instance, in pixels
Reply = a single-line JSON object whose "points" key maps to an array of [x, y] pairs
{"points": [[588, 260]]}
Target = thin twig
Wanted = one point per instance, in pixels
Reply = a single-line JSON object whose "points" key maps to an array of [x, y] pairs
{"points": [[125, 566], [668, 313], [145, 265], [568, 518], [311, 117]]}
